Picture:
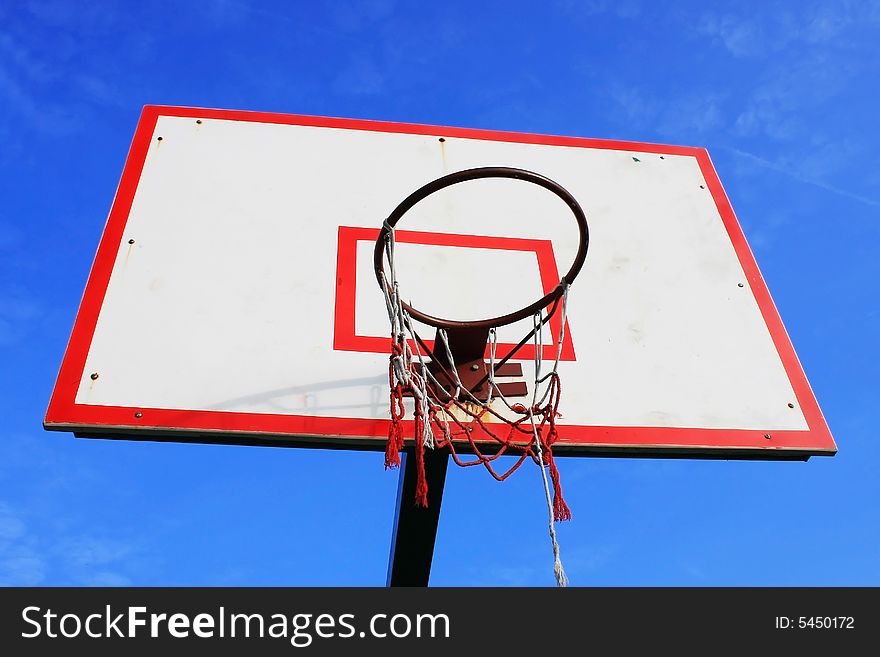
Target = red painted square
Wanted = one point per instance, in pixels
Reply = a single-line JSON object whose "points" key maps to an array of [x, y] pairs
{"points": [[345, 336]]}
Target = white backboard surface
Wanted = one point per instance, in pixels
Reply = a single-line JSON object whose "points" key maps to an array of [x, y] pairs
{"points": [[233, 298]]}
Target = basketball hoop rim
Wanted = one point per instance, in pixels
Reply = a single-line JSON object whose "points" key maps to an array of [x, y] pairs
{"points": [[477, 174]]}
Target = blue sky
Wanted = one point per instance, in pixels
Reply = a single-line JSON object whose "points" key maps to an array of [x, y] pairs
{"points": [[783, 94]]}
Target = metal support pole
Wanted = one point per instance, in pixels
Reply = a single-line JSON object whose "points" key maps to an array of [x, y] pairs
{"points": [[415, 528]]}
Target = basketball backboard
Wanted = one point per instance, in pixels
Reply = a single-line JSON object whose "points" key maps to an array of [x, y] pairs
{"points": [[233, 298]]}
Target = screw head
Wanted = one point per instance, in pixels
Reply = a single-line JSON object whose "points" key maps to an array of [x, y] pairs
{"points": [[767, 436], [442, 139], [138, 414], [790, 405], [94, 376], [131, 241], [740, 285], [199, 121], [158, 138], [474, 367]]}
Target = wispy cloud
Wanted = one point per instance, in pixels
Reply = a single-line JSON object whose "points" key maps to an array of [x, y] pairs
{"points": [[30, 558], [20, 564], [352, 16], [89, 560], [18, 310], [523, 574], [695, 572], [98, 90], [786, 72], [586, 8], [222, 13], [792, 172], [686, 117], [106, 578], [86, 552], [775, 106], [696, 114], [768, 30], [362, 77], [583, 562], [43, 538], [83, 18], [22, 75], [742, 37], [11, 236], [55, 90]]}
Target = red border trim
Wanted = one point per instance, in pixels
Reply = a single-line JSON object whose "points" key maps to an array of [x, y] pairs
{"points": [[345, 336], [64, 413], [62, 406]]}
